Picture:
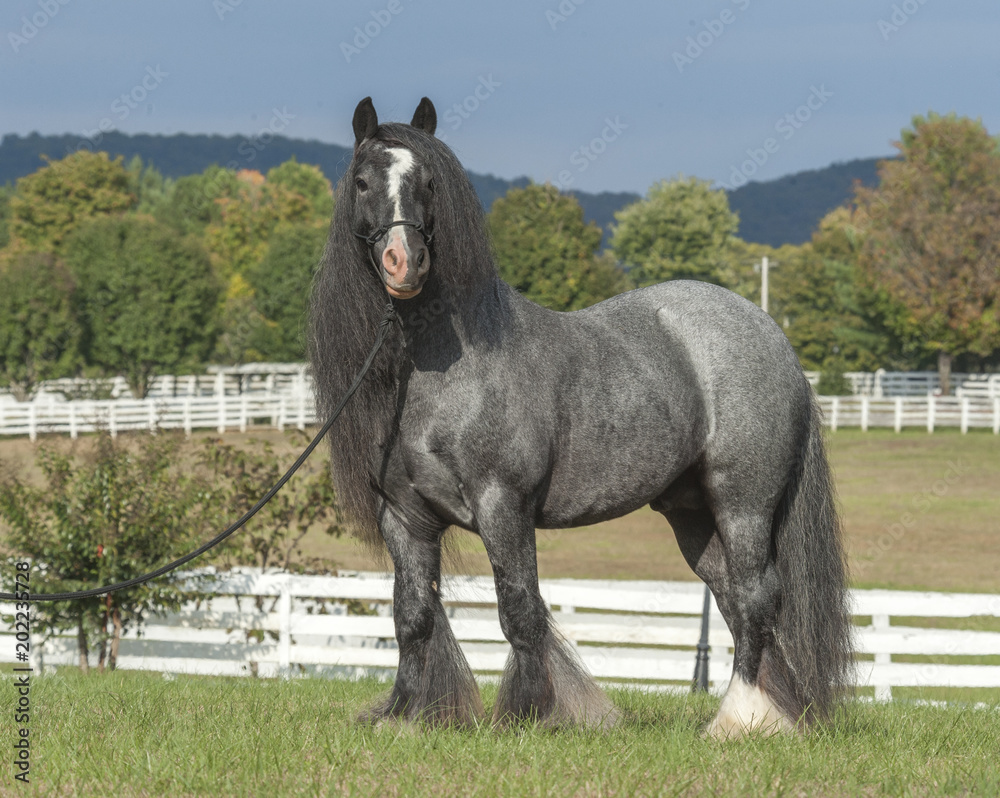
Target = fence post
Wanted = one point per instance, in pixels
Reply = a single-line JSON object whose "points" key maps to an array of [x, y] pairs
{"points": [[996, 415], [898, 416], [72, 421], [151, 410], [281, 414], [285, 629], [222, 412], [187, 416], [834, 409], [930, 412], [243, 412], [32, 422], [865, 400], [883, 692], [964, 405], [112, 419]]}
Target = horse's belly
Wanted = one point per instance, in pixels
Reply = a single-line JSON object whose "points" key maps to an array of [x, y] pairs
{"points": [[613, 476]]}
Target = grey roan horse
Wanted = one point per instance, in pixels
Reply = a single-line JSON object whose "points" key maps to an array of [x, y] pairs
{"points": [[490, 413]]}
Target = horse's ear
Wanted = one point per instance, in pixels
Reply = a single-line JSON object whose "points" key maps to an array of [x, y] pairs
{"points": [[425, 117], [365, 121]]}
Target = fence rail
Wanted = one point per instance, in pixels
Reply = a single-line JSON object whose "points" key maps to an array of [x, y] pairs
{"points": [[624, 631], [222, 412]]}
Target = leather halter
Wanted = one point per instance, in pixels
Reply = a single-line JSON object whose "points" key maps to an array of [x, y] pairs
{"points": [[374, 237]]}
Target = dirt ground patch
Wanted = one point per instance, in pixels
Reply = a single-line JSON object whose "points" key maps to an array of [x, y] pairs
{"points": [[920, 511]]}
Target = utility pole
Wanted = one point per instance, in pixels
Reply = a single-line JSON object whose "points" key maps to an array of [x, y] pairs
{"points": [[763, 283]]}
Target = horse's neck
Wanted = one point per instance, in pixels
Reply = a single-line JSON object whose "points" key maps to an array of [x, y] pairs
{"points": [[439, 318]]}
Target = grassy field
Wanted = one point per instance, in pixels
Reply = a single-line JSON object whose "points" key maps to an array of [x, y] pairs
{"points": [[135, 734], [920, 511]]}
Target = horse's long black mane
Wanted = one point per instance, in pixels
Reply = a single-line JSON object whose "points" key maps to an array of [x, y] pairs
{"points": [[349, 300]]}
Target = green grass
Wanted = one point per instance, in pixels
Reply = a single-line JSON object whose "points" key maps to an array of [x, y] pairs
{"points": [[136, 734]]}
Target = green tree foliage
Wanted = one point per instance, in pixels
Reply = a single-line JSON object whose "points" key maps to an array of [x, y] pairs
{"points": [[931, 249], [237, 478], [191, 204], [281, 283], [309, 183], [5, 195], [49, 204], [147, 185], [103, 517], [147, 300], [681, 230], [548, 252], [39, 332]]}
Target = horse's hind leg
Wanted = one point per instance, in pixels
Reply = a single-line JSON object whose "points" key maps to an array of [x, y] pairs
{"points": [[543, 679], [433, 682], [753, 701], [735, 560]]}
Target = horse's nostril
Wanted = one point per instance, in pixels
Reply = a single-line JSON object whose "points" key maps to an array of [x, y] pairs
{"points": [[421, 257]]}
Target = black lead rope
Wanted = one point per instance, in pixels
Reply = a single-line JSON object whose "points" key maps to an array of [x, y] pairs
{"points": [[383, 331]]}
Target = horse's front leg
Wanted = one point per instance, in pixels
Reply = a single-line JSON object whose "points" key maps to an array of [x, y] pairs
{"points": [[544, 679], [433, 682]]}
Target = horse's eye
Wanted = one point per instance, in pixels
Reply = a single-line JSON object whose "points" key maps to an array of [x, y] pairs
{"points": [[361, 184], [430, 184]]}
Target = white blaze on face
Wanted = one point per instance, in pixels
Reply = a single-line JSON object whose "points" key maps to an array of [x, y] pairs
{"points": [[402, 164]]}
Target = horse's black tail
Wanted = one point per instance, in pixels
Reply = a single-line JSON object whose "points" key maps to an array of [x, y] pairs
{"points": [[813, 662]]}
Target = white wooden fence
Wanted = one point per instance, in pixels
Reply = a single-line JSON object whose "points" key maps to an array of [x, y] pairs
{"points": [[929, 412], [636, 632], [242, 411], [883, 384], [188, 413]]}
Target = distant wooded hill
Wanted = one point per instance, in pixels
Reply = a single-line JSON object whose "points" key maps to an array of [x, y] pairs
{"points": [[782, 211]]}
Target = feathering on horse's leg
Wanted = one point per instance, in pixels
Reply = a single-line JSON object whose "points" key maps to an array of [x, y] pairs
{"points": [[544, 678], [434, 682]]}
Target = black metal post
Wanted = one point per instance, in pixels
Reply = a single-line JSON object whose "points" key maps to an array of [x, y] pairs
{"points": [[700, 683]]}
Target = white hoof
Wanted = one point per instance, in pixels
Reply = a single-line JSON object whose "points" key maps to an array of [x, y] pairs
{"points": [[746, 709]]}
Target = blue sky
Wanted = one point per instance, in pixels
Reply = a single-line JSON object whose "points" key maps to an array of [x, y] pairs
{"points": [[595, 95]]}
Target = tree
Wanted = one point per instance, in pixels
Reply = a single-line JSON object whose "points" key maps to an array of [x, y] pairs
{"points": [[931, 243], [281, 284], [191, 202], [147, 185], [547, 251], [146, 299], [681, 230], [108, 517], [309, 183], [5, 194], [39, 332], [236, 480], [49, 204]]}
